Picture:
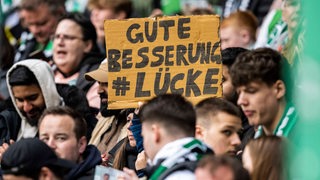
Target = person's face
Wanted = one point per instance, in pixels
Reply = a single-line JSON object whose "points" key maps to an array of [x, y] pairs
{"points": [[30, 102], [290, 12], [106, 177], [232, 37], [40, 22], [259, 102], [246, 160], [229, 92], [69, 46], [149, 140], [57, 131], [132, 141], [103, 93], [97, 18], [203, 173], [221, 173], [222, 134]]}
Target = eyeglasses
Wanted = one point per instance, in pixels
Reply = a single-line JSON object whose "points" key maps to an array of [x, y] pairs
{"points": [[65, 37]]}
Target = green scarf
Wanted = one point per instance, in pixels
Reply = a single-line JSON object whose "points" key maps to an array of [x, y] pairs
{"points": [[284, 127], [277, 29], [186, 149]]}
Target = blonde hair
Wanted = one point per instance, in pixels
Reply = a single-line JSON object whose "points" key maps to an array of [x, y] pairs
{"points": [[242, 20]]}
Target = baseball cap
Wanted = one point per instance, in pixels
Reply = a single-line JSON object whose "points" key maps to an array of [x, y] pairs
{"points": [[100, 74], [28, 156]]}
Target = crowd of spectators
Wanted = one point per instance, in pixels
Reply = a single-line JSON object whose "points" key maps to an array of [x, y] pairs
{"points": [[54, 116]]}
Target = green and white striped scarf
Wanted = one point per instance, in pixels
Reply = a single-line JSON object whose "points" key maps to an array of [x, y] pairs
{"points": [[284, 127], [277, 32], [192, 150]]}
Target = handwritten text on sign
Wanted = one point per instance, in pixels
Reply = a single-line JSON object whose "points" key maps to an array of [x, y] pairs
{"points": [[148, 57]]}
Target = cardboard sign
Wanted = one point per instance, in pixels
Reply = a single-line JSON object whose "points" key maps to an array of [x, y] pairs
{"points": [[152, 56]]}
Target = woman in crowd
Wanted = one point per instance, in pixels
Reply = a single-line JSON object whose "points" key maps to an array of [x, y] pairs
{"points": [[125, 153], [75, 52], [223, 167], [263, 158]]}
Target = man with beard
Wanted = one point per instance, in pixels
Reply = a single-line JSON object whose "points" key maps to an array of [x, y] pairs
{"points": [[111, 127], [32, 89], [229, 56]]}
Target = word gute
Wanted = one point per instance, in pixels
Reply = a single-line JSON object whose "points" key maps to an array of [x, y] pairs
{"points": [[137, 34]]}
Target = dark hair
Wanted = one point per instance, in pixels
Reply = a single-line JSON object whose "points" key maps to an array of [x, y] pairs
{"points": [[126, 6], [58, 171], [55, 6], [80, 125], [75, 98], [202, 11], [7, 51], [22, 75], [87, 28], [173, 111], [210, 107], [263, 64], [229, 55], [213, 162], [267, 157]]}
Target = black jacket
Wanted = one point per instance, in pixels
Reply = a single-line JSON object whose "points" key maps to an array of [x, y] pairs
{"points": [[76, 99], [85, 169], [89, 63], [10, 123]]}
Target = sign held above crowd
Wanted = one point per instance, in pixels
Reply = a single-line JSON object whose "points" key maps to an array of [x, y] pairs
{"points": [[152, 56]]}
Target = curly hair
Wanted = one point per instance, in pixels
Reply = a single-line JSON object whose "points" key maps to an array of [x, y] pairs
{"points": [[263, 64]]}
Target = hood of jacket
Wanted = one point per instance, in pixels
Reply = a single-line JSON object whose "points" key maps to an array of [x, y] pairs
{"points": [[44, 75], [85, 169]]}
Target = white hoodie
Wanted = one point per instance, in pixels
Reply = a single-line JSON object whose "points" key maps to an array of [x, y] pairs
{"points": [[44, 75]]}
